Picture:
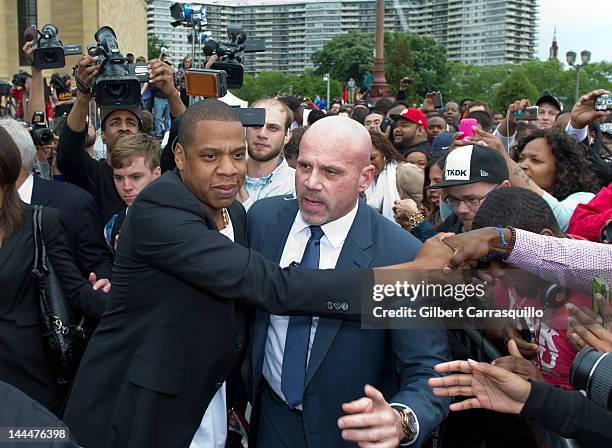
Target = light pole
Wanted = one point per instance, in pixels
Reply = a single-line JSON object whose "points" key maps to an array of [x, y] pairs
{"points": [[326, 79], [585, 57]]}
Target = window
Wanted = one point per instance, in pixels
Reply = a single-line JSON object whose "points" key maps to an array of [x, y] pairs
{"points": [[26, 13]]}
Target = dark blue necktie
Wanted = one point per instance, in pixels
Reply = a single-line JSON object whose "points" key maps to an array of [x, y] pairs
{"points": [[298, 333]]}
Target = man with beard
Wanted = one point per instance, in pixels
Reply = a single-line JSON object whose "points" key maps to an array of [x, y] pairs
{"points": [[268, 173], [411, 131]]}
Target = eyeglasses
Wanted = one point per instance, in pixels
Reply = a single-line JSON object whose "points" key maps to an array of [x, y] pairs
{"points": [[472, 202]]}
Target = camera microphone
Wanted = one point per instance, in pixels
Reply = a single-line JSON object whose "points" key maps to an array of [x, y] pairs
{"points": [[29, 34]]}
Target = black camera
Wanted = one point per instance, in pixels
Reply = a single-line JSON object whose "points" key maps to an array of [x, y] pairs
{"points": [[114, 85], [5, 88], [49, 51], [592, 372], [39, 131], [230, 54], [20, 78]]}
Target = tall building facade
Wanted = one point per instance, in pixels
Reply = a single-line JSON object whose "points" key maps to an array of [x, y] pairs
{"points": [[482, 32]]}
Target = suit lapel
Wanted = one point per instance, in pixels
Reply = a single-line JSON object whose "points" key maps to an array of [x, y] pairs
{"points": [[38, 193], [354, 254]]}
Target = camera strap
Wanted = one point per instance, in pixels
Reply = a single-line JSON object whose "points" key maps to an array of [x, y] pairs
{"points": [[80, 84]]}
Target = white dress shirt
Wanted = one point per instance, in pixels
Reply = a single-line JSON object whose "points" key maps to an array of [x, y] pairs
{"points": [[25, 191], [212, 431], [330, 247]]}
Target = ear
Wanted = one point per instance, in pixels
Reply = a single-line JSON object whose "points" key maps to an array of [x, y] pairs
{"points": [[366, 177], [288, 135], [179, 157], [157, 172], [505, 183], [103, 134], [547, 232]]}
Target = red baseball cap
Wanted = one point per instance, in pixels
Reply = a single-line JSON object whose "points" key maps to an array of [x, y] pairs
{"points": [[411, 114]]}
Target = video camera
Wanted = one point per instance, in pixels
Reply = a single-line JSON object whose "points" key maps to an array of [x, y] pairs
{"points": [[115, 84], [49, 51], [39, 131], [20, 78], [230, 54]]}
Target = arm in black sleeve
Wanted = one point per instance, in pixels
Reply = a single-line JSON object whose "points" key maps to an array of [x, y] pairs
{"points": [[72, 158], [401, 95], [569, 413], [80, 293]]}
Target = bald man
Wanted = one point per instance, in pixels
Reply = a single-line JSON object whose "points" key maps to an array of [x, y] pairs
{"points": [[304, 369]]}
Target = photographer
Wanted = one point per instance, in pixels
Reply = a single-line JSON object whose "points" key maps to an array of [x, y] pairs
{"points": [[96, 176], [20, 91], [567, 413]]}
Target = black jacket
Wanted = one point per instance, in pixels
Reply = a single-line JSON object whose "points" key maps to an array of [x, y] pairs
{"points": [[570, 414], [81, 220], [93, 176], [170, 335], [23, 362]]}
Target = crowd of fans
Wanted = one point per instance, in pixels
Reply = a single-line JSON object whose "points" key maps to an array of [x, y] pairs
{"points": [[374, 182]]}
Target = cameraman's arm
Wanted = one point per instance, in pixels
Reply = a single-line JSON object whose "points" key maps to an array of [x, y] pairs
{"points": [[37, 91], [161, 75]]}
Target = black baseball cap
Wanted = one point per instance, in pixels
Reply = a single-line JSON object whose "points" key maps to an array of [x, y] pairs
{"points": [[473, 163], [547, 97]]}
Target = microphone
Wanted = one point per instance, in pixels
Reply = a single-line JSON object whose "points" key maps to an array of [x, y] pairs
{"points": [[29, 34]]}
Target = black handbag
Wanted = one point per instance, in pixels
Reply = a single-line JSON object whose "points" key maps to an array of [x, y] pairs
{"points": [[62, 330]]}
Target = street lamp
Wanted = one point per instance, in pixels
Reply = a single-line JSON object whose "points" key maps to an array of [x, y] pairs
{"points": [[585, 57], [326, 78]]}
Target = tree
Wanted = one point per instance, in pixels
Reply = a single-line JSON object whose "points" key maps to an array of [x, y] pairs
{"points": [[346, 56], [430, 64], [516, 86], [154, 46], [398, 61]]}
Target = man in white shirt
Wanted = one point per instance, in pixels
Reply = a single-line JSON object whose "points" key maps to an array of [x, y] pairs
{"points": [[268, 173]]}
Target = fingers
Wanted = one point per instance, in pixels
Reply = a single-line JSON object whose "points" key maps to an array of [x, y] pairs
{"points": [[464, 405], [454, 391], [361, 405], [518, 366], [453, 366], [375, 395], [92, 278], [513, 349]]}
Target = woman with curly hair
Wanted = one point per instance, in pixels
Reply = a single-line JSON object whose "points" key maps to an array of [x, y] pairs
{"points": [[554, 165]]}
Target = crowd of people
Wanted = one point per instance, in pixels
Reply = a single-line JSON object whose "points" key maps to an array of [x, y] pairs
{"points": [[221, 273]]}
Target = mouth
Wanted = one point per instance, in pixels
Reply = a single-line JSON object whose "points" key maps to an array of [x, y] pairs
{"points": [[226, 190], [312, 204], [261, 145]]}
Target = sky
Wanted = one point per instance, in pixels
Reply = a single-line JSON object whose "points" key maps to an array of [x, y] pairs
{"points": [[581, 25]]}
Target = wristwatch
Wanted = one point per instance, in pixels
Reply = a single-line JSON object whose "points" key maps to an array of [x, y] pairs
{"points": [[414, 220], [410, 426]]}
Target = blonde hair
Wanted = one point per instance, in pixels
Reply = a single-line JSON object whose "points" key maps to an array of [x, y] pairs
{"points": [[278, 104], [128, 147]]}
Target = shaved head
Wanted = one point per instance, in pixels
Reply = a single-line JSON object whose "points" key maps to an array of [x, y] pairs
{"points": [[333, 168]]}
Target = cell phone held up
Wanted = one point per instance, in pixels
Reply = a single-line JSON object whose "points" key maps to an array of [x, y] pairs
{"points": [[600, 287], [603, 102], [466, 127], [527, 114]]}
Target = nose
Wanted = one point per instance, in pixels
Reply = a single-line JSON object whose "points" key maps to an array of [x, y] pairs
{"points": [[312, 182], [128, 186], [524, 164], [227, 166]]}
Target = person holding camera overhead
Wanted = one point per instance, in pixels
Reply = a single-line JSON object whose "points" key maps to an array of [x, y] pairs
{"points": [[79, 168]]}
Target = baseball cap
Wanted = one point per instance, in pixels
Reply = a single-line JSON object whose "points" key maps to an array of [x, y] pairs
{"points": [[411, 114], [546, 97], [106, 111], [473, 163]]}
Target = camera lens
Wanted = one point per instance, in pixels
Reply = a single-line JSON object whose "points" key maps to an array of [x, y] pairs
{"points": [[592, 372], [117, 90], [49, 57]]}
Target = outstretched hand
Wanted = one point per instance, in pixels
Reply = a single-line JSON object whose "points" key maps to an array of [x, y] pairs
{"points": [[584, 112], [103, 283]]}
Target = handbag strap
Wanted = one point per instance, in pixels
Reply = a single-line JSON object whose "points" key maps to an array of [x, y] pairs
{"points": [[39, 266]]}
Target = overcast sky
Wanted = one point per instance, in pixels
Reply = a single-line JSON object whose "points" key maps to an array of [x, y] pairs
{"points": [[581, 25]]}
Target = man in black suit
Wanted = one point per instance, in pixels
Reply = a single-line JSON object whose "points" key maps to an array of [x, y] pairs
{"points": [[170, 336], [77, 208]]}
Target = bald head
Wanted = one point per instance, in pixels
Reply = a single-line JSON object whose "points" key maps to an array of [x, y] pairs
{"points": [[333, 168], [343, 136]]}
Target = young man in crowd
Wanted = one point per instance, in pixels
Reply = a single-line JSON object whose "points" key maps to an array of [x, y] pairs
{"points": [[135, 162], [268, 173], [78, 167], [411, 131], [436, 124], [451, 113], [298, 399]]}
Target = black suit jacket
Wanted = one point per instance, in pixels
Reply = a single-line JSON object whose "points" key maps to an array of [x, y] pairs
{"points": [[170, 336], [23, 362], [81, 220]]}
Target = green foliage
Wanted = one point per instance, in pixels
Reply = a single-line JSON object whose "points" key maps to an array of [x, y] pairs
{"points": [[516, 86], [429, 64], [398, 61], [154, 45], [346, 56]]}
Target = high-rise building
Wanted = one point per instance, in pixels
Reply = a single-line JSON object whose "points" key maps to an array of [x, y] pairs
{"points": [[479, 32]]}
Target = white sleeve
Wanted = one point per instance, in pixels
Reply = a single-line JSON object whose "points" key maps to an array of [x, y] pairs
{"points": [[577, 134]]}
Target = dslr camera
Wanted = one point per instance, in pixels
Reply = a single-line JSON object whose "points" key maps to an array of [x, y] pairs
{"points": [[39, 131], [49, 51], [592, 372], [230, 54], [115, 84]]}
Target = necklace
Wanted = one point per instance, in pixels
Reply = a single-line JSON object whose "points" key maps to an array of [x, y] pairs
{"points": [[225, 217]]}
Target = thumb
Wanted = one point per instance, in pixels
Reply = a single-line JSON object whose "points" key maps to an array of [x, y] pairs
{"points": [[513, 349], [92, 278]]}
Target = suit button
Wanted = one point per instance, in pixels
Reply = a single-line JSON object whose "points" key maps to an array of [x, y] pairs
{"points": [[330, 306], [344, 306], [337, 306]]}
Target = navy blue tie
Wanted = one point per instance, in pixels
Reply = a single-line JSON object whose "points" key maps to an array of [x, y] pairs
{"points": [[298, 333]]}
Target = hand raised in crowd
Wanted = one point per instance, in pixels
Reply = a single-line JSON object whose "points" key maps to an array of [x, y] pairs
{"points": [[428, 104], [404, 209], [517, 364], [371, 421], [87, 69], [489, 386], [103, 283], [161, 75], [509, 125], [472, 246], [484, 138], [28, 51], [525, 349], [584, 113], [584, 327]]}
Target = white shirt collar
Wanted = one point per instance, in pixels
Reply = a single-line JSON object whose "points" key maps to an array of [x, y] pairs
{"points": [[25, 191], [335, 231]]}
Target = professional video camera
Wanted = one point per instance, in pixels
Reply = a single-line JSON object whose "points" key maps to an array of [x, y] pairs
{"points": [[20, 78], [49, 51], [230, 54], [592, 372], [39, 131], [115, 84], [188, 14]]}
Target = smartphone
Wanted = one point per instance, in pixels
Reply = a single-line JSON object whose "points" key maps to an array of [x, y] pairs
{"points": [[466, 126], [384, 124], [206, 83], [603, 102], [600, 287], [437, 100], [527, 114], [252, 116]]}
